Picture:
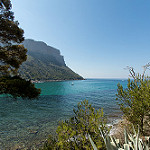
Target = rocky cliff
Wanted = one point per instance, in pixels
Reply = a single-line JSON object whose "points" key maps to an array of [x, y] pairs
{"points": [[45, 63]]}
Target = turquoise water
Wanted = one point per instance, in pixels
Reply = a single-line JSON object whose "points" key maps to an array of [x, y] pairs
{"points": [[26, 123]]}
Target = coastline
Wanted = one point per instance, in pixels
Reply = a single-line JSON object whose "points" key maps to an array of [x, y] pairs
{"points": [[38, 81], [116, 127]]}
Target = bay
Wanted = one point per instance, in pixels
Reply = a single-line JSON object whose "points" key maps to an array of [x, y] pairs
{"points": [[27, 123]]}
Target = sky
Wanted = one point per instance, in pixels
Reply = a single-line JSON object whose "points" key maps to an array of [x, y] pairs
{"points": [[98, 38]]}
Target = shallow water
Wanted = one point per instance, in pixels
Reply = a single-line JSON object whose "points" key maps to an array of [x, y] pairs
{"points": [[26, 123]]}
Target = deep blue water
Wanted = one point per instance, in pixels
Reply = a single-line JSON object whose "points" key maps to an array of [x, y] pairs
{"points": [[27, 122]]}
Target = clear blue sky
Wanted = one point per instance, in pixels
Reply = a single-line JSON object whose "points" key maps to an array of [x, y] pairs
{"points": [[98, 38]]}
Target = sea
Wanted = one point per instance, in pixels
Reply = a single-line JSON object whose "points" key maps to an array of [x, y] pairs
{"points": [[26, 124]]}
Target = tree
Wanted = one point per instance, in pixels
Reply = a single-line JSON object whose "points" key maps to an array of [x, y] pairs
{"points": [[134, 100], [12, 54], [73, 133]]}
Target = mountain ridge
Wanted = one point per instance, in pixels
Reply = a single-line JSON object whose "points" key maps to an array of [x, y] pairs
{"points": [[45, 63]]}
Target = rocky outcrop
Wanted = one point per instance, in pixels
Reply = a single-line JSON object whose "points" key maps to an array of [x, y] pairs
{"points": [[45, 63]]}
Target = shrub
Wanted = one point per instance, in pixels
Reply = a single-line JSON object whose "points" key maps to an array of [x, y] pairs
{"points": [[134, 101], [73, 133]]}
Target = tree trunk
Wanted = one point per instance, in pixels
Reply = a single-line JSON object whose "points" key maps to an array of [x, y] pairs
{"points": [[142, 124]]}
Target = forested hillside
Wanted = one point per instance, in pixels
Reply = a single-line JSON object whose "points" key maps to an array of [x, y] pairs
{"points": [[45, 63]]}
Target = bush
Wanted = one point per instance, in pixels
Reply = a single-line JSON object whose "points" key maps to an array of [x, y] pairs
{"points": [[134, 101], [73, 133]]}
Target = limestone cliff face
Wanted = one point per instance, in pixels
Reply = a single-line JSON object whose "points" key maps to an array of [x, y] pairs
{"points": [[45, 63], [42, 51]]}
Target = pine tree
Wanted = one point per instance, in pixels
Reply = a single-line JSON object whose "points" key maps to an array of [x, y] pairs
{"points": [[12, 54], [134, 101]]}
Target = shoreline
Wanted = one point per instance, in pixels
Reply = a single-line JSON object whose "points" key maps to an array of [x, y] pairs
{"points": [[43, 81], [115, 126], [118, 128]]}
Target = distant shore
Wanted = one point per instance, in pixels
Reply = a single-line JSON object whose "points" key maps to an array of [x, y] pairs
{"points": [[38, 81]]}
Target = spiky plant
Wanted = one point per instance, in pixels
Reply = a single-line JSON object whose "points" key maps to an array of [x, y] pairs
{"points": [[132, 142]]}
